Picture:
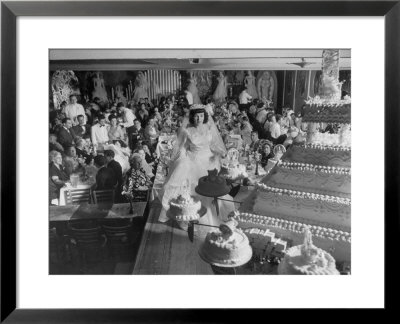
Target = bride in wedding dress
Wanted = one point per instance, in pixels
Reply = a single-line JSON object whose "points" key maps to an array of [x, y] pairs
{"points": [[199, 148]]}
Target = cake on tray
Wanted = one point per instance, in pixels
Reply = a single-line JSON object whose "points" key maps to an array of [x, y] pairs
{"points": [[307, 259], [315, 208], [226, 247], [319, 155], [233, 171], [212, 185], [335, 241], [310, 178], [309, 186]]}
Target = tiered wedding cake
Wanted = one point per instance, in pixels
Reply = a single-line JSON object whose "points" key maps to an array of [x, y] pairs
{"points": [[310, 186]]}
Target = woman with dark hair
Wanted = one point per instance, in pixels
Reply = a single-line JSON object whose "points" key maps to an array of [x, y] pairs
{"points": [[266, 152], [161, 103], [116, 132], [198, 149], [142, 115]]}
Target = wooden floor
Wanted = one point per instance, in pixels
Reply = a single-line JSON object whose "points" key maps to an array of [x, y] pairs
{"points": [[166, 248]]}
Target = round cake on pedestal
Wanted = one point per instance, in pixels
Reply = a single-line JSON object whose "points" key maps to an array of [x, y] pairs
{"points": [[226, 247], [185, 208]]}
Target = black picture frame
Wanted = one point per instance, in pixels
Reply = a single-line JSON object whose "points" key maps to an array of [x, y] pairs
{"points": [[9, 13]]}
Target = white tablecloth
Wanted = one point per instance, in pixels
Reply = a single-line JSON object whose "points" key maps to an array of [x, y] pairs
{"points": [[62, 201], [161, 146]]}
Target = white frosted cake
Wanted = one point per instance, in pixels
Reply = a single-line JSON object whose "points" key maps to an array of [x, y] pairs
{"points": [[337, 242], [310, 178], [307, 259], [319, 155], [314, 208], [184, 208], [233, 171], [226, 247]]}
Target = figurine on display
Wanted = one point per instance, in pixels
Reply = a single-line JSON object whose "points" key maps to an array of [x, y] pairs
{"points": [[220, 92], [141, 87], [250, 84], [192, 88], [119, 94], [63, 84], [99, 90], [266, 87]]}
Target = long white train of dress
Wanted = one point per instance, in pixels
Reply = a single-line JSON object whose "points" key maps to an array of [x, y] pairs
{"points": [[194, 160]]}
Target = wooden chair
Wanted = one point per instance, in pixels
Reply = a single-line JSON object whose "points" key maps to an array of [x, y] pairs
{"points": [[120, 237], [140, 195], [77, 196], [89, 240], [103, 196], [54, 247]]}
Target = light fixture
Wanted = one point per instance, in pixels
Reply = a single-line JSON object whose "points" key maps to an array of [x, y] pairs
{"points": [[302, 64]]}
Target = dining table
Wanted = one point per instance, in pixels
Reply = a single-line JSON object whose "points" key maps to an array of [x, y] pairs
{"points": [[105, 210]]}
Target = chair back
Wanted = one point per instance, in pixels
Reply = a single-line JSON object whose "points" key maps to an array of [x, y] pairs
{"points": [[89, 240], [140, 195], [77, 196], [54, 246], [87, 234], [120, 235], [103, 196]]}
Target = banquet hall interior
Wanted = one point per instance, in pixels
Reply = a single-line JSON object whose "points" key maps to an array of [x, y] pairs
{"points": [[200, 161]]}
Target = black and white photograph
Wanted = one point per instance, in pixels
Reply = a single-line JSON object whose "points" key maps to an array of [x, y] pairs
{"points": [[199, 161]]}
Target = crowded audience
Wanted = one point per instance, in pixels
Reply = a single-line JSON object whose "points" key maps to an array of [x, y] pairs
{"points": [[115, 144]]}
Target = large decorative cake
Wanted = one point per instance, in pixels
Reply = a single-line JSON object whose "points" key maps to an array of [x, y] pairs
{"points": [[319, 155], [226, 247], [319, 110], [309, 186], [309, 207], [336, 242], [184, 208], [311, 178], [307, 259], [212, 185]]}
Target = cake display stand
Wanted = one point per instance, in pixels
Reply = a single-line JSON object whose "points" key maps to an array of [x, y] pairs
{"points": [[225, 269], [213, 195]]}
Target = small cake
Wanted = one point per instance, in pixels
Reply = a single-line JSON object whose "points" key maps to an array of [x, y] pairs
{"points": [[226, 247], [233, 171], [212, 185], [307, 259], [184, 208]]}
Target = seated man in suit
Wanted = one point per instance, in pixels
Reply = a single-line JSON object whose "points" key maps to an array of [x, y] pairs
{"points": [[105, 178], [117, 169], [81, 130], [137, 134], [66, 135]]}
